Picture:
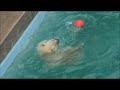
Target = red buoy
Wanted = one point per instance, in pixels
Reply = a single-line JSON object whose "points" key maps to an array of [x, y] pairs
{"points": [[79, 23]]}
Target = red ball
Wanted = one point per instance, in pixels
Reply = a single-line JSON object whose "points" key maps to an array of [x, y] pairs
{"points": [[79, 23]]}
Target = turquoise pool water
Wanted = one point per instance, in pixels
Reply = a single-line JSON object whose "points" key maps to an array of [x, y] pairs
{"points": [[101, 36]]}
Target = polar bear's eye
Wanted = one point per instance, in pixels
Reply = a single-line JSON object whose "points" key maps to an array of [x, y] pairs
{"points": [[43, 44]]}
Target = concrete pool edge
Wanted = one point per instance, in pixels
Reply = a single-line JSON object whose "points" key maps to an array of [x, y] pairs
{"points": [[15, 28], [12, 54]]}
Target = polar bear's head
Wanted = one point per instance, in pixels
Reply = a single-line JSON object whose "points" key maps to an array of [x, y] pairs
{"points": [[48, 46]]}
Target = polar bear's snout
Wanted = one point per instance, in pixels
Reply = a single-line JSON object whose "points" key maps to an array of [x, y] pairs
{"points": [[57, 41]]}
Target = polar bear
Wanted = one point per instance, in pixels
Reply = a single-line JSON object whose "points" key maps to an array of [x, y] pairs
{"points": [[49, 51]]}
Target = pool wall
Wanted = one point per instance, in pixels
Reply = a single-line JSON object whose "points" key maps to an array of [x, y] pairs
{"points": [[20, 43], [13, 25]]}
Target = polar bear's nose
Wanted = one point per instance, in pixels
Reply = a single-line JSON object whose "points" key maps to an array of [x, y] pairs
{"points": [[57, 40]]}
